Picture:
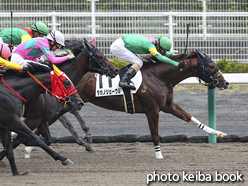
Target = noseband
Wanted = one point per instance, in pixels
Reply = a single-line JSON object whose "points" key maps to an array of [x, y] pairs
{"points": [[90, 56], [204, 74]]}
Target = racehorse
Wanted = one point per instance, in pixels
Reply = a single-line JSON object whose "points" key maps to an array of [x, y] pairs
{"points": [[39, 110], [92, 60], [156, 91], [14, 92]]}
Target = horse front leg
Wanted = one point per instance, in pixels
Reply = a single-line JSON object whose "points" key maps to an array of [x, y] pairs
{"points": [[67, 124], [45, 132], [177, 111], [83, 125], [8, 149], [153, 118], [21, 129]]}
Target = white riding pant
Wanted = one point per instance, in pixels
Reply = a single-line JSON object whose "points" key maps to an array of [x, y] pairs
{"points": [[1, 40], [119, 50], [16, 58]]}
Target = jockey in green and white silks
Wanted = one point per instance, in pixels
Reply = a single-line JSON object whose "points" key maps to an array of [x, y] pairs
{"points": [[126, 46], [19, 35]]}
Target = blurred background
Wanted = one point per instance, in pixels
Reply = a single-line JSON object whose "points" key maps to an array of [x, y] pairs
{"points": [[217, 27]]}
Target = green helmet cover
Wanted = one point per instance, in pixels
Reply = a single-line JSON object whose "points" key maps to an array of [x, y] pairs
{"points": [[164, 42], [40, 27]]}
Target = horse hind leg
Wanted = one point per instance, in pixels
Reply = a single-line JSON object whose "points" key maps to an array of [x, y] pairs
{"points": [[6, 141], [177, 111]]}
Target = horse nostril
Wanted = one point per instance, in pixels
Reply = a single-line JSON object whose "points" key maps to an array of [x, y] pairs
{"points": [[227, 84]]}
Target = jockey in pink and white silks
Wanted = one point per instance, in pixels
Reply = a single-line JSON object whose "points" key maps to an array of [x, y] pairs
{"points": [[31, 49], [126, 46]]}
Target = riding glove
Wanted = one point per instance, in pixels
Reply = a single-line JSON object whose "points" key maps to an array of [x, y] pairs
{"points": [[181, 65], [70, 56], [32, 66]]}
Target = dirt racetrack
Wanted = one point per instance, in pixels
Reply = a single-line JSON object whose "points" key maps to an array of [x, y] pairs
{"points": [[118, 164], [133, 164]]}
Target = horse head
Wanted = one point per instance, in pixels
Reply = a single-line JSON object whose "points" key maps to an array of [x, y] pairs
{"points": [[209, 72], [98, 62]]}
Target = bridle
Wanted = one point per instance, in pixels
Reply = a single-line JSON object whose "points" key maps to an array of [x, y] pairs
{"points": [[90, 56], [93, 63], [203, 72]]}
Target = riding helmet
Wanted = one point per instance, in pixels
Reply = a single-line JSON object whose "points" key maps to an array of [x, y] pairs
{"points": [[40, 27], [164, 42], [4, 51], [57, 36]]}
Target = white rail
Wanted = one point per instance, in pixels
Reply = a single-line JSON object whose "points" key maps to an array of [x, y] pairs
{"points": [[232, 78]]}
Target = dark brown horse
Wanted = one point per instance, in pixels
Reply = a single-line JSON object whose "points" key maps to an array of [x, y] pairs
{"points": [[11, 108], [39, 110], [91, 60], [156, 91]]}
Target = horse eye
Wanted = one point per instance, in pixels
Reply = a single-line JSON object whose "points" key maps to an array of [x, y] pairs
{"points": [[211, 66]]}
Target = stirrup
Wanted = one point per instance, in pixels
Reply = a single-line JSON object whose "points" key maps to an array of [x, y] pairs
{"points": [[127, 85]]}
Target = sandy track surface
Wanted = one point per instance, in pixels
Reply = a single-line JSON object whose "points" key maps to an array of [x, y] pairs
{"points": [[117, 164]]}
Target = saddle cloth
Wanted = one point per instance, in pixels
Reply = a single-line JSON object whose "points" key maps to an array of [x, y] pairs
{"points": [[105, 86]]}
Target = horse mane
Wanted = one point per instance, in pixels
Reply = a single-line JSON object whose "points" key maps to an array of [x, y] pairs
{"points": [[148, 59], [74, 45]]}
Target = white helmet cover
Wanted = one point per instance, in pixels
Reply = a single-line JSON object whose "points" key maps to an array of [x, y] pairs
{"points": [[57, 36]]}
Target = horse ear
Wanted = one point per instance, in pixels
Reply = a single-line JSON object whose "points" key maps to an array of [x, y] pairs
{"points": [[93, 42], [88, 45], [201, 54]]}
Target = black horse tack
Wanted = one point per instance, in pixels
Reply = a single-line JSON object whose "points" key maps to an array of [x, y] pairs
{"points": [[128, 97]]}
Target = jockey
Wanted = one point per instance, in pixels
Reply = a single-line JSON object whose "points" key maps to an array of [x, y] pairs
{"points": [[19, 35], [126, 46], [35, 47], [4, 56]]}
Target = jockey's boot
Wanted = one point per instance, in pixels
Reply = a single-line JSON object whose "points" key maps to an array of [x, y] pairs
{"points": [[126, 79]]}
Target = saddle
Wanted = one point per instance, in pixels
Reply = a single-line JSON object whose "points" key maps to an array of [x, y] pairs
{"points": [[106, 86]]}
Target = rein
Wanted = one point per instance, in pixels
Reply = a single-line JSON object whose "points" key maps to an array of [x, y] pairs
{"points": [[90, 56], [52, 94], [13, 91], [42, 85]]}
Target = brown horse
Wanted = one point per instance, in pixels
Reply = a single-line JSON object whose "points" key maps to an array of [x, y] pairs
{"points": [[156, 91], [39, 110]]}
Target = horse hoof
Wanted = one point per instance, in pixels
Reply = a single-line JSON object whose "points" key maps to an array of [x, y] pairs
{"points": [[90, 149], [159, 158], [67, 162], [222, 134]]}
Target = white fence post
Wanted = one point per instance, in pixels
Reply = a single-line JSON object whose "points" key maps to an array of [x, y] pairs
{"points": [[170, 25], [54, 24], [204, 17], [93, 19]]}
